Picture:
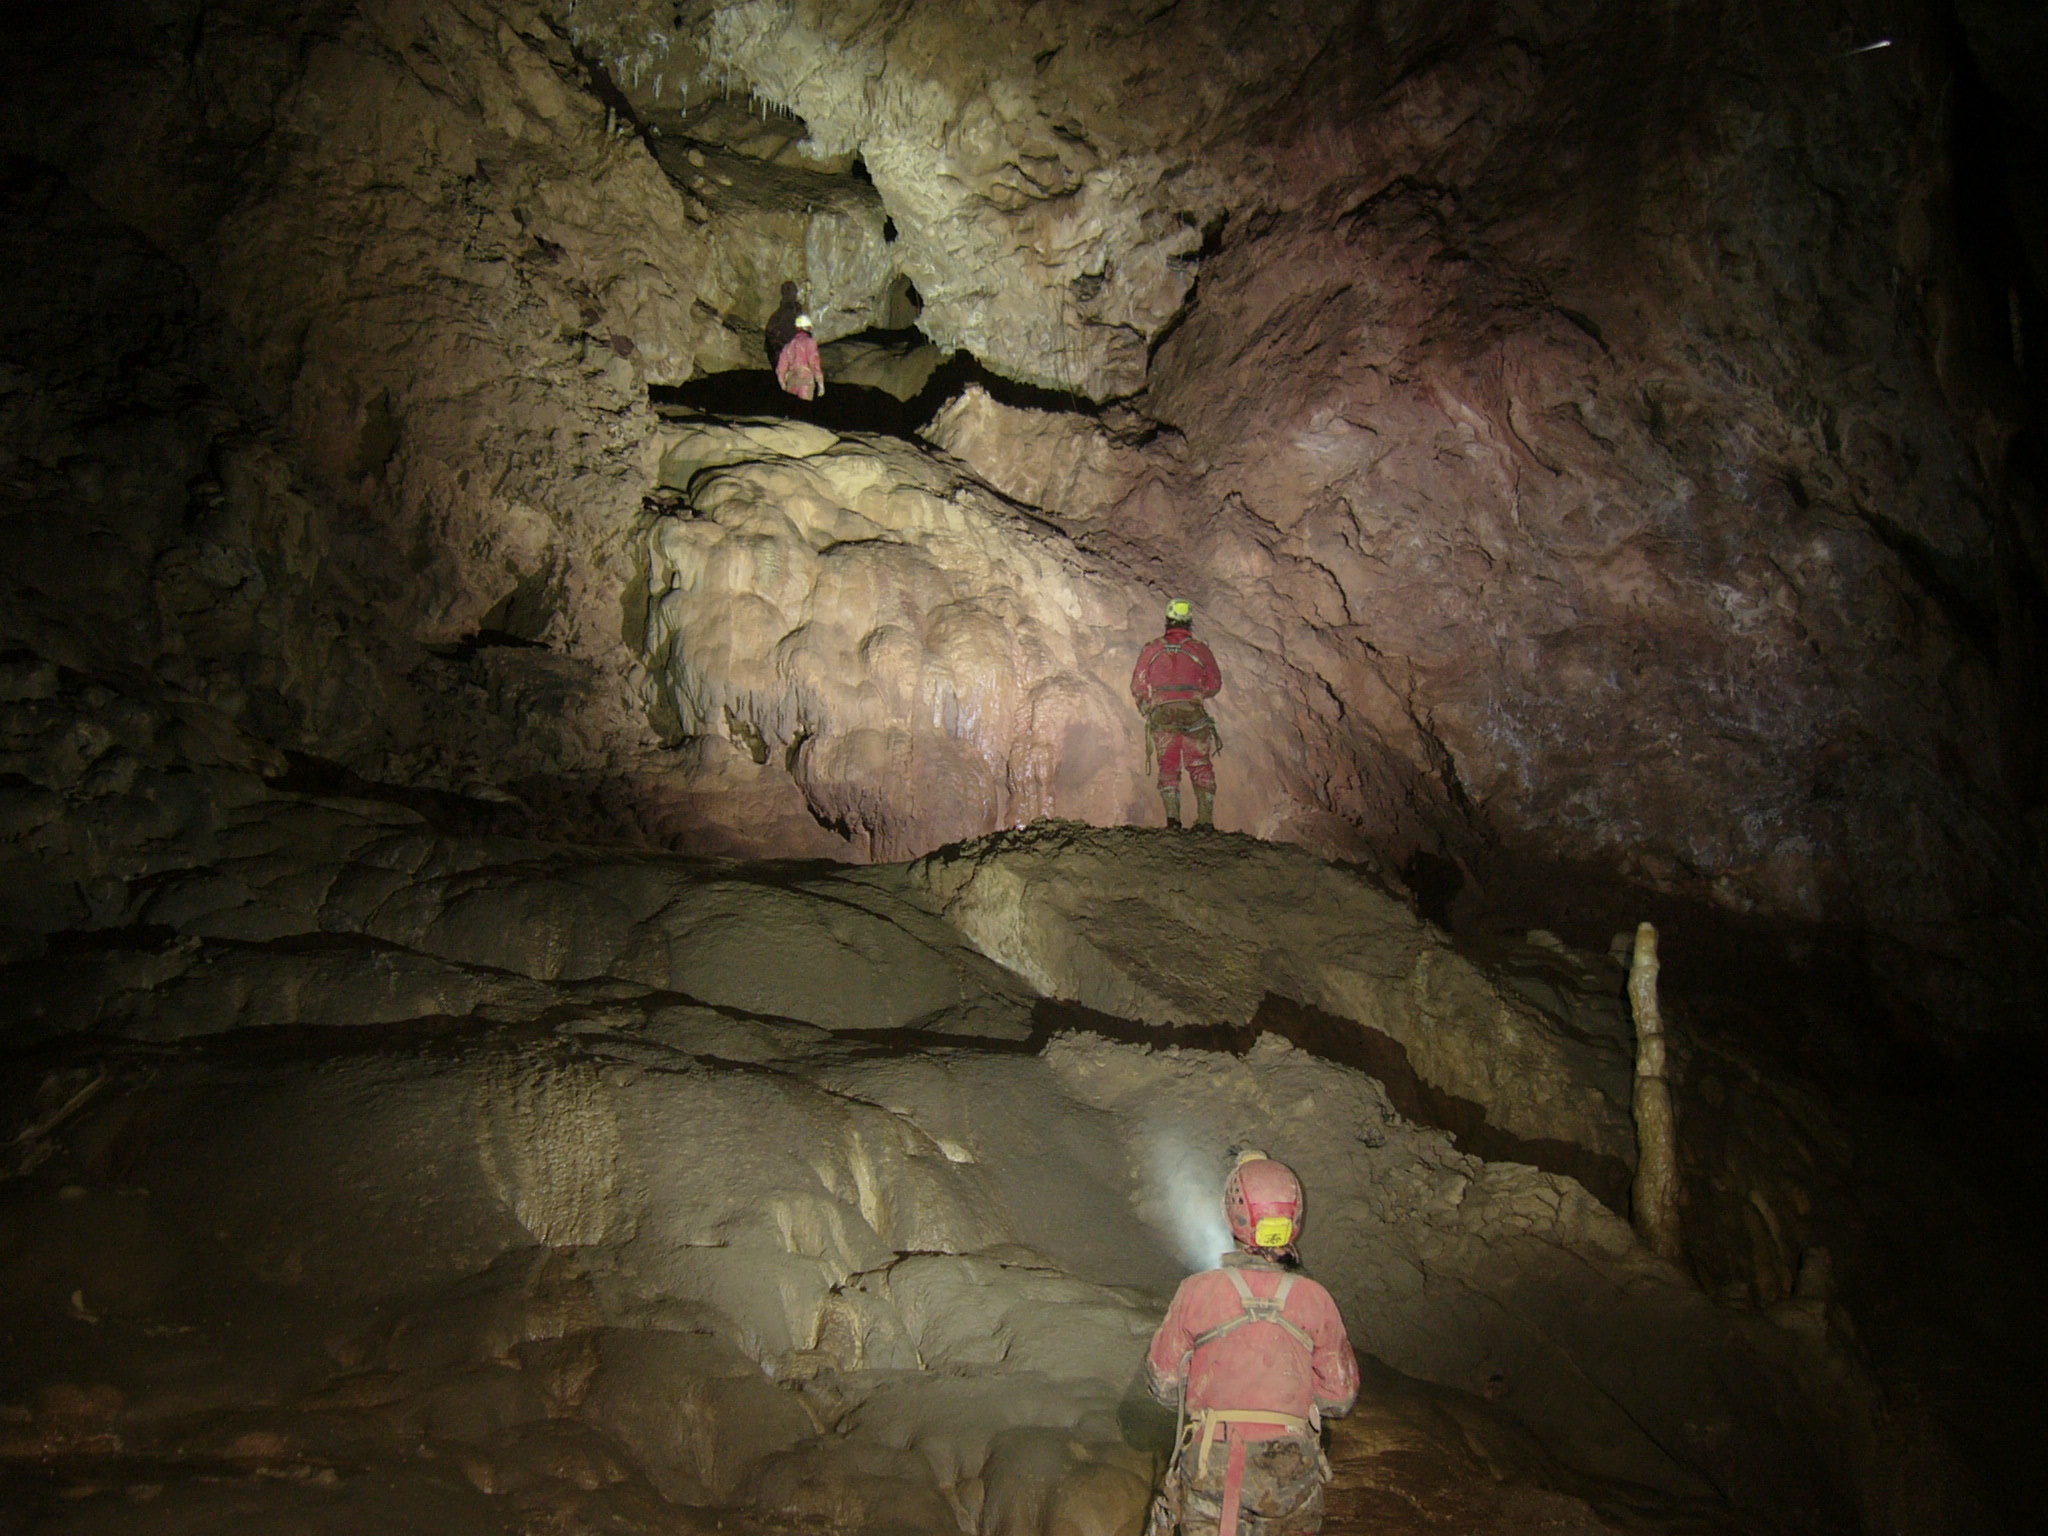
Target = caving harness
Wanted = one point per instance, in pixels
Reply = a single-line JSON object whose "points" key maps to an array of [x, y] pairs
{"points": [[1202, 1427], [1172, 648], [1182, 716]]}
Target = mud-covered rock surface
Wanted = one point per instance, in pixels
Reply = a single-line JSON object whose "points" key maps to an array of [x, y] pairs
{"points": [[359, 1161], [360, 1165]]}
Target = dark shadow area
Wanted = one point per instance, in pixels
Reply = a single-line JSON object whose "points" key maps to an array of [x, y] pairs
{"points": [[754, 392], [1436, 882], [1827, 1002], [1824, 1108], [442, 809], [1997, 151], [598, 81], [859, 408], [485, 639]]}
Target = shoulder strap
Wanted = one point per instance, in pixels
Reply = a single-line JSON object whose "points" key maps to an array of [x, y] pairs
{"points": [[1257, 1309], [1168, 648], [1165, 647]]}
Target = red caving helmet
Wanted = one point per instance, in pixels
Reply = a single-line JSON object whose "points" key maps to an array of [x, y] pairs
{"points": [[1262, 1203]]}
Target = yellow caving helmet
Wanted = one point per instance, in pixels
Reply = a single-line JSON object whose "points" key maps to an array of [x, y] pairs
{"points": [[1179, 611]]}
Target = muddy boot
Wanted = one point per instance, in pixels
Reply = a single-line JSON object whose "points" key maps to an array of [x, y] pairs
{"points": [[1171, 799], [1205, 807]]}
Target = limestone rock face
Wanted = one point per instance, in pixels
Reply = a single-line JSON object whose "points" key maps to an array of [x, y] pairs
{"points": [[1609, 609], [414, 411], [902, 370], [1040, 167], [781, 223], [1207, 929]]}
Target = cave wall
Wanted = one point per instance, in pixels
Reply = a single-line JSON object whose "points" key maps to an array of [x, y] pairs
{"points": [[1584, 432], [1579, 428], [421, 279]]}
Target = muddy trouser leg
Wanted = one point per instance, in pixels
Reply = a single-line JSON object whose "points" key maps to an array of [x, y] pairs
{"points": [[1282, 1492], [1202, 774], [1172, 746]]}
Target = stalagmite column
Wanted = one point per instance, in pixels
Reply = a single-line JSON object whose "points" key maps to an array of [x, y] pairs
{"points": [[1656, 1187]]}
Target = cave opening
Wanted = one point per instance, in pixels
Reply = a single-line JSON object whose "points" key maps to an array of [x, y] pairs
{"points": [[856, 407], [586, 944]]}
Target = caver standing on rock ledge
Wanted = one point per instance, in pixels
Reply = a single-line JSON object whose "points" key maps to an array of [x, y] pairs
{"points": [[1174, 674], [1255, 1357], [800, 370]]}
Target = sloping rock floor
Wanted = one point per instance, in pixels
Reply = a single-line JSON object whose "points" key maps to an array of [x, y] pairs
{"points": [[361, 1174]]}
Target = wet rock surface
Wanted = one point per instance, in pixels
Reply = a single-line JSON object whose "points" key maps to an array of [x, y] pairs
{"points": [[1119, 924], [792, 1188]]}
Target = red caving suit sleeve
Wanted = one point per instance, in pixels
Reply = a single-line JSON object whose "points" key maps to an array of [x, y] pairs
{"points": [[1335, 1366], [1172, 1342]]}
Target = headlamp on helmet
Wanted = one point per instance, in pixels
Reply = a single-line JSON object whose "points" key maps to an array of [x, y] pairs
{"points": [[1262, 1202]]}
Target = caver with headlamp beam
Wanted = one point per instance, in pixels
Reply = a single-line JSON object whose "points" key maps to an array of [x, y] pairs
{"points": [[1254, 1355]]}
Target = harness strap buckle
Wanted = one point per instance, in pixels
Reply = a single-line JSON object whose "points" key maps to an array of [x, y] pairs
{"points": [[1210, 1420]]}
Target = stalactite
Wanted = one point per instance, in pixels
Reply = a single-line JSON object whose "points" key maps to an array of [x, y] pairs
{"points": [[1655, 1193]]}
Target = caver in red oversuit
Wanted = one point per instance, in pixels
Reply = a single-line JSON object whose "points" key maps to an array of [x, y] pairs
{"points": [[800, 369], [1255, 1356], [1174, 674]]}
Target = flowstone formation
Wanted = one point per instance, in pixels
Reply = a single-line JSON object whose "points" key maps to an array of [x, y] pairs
{"points": [[912, 656]]}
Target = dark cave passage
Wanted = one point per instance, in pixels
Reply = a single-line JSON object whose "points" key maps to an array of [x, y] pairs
{"points": [[845, 407], [755, 392]]}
